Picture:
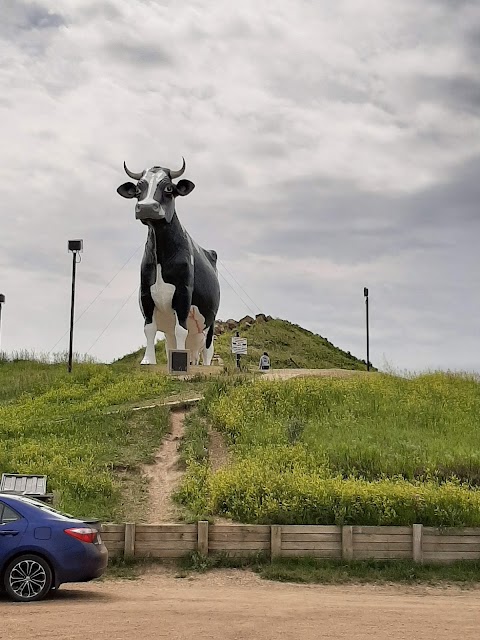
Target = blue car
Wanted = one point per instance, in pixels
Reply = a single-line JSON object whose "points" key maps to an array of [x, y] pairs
{"points": [[41, 548]]}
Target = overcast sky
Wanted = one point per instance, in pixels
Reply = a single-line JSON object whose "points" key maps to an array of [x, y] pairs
{"points": [[333, 146]]}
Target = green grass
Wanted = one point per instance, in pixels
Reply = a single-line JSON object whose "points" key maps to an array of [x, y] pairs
{"points": [[314, 571], [195, 561], [194, 445], [120, 568], [135, 357], [80, 431], [372, 450], [309, 570], [133, 568], [29, 376], [369, 427], [289, 347]]}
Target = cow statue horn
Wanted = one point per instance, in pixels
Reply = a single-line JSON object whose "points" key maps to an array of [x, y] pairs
{"points": [[131, 174], [177, 174]]}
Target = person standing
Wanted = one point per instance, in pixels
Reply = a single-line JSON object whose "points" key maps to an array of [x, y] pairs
{"points": [[264, 362]]}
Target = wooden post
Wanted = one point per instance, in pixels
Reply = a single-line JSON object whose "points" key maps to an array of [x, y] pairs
{"points": [[417, 532], [129, 548], [347, 542], [275, 541], [202, 537]]}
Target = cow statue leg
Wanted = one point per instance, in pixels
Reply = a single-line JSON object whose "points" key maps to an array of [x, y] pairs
{"points": [[150, 331], [209, 348], [181, 334], [176, 337], [181, 306], [195, 342], [169, 343], [207, 355]]}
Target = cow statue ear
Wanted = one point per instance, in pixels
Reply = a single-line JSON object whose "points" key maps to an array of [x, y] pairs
{"points": [[184, 187], [127, 190]]}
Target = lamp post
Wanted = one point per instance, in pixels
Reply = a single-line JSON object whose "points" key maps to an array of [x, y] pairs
{"points": [[76, 247], [365, 293], [2, 302]]}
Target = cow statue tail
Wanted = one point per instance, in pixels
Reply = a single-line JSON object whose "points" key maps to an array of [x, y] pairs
{"points": [[209, 339]]}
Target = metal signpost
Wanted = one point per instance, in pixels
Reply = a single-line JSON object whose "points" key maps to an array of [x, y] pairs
{"points": [[239, 347]]}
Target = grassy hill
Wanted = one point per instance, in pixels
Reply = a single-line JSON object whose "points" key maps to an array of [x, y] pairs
{"points": [[288, 345], [79, 429], [361, 450]]}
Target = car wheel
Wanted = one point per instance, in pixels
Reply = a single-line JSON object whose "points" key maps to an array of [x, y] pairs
{"points": [[28, 578]]}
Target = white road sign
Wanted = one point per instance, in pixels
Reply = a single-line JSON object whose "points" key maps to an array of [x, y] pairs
{"points": [[239, 345]]}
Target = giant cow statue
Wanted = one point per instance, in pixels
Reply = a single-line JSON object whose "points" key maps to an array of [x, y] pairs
{"points": [[179, 289]]}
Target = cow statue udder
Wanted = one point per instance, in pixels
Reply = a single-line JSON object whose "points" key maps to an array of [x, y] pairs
{"points": [[179, 288]]}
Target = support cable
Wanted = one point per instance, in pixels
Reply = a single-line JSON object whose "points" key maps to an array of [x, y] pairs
{"points": [[237, 294], [136, 289], [233, 277], [109, 323], [97, 296]]}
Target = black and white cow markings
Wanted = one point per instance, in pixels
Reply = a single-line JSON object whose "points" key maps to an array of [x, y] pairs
{"points": [[179, 288]]}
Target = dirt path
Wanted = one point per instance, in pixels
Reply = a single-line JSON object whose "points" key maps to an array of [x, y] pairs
{"points": [[237, 605], [165, 474], [284, 374], [217, 450]]}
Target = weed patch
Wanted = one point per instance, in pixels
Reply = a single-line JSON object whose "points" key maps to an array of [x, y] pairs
{"points": [[312, 570], [366, 450], [64, 426]]}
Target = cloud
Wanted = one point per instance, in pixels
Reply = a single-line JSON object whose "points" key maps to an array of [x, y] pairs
{"points": [[138, 54], [99, 10], [332, 147], [21, 16], [314, 218], [457, 92]]}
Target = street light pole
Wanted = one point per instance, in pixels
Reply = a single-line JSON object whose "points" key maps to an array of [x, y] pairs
{"points": [[75, 246], [365, 293], [2, 302]]}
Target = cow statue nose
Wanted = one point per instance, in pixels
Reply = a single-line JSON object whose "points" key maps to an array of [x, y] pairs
{"points": [[144, 207]]}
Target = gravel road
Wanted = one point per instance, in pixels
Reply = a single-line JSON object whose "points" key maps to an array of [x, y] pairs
{"points": [[224, 605]]}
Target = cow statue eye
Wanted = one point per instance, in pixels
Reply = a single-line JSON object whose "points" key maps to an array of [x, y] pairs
{"points": [[138, 191], [169, 188]]}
